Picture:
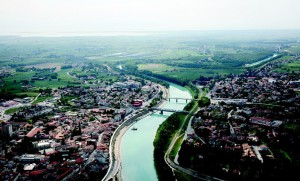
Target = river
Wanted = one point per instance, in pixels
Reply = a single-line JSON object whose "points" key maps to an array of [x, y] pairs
{"points": [[261, 61], [137, 146], [120, 67]]}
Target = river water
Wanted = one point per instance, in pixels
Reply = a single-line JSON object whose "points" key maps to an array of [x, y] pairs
{"points": [[262, 61], [120, 67], [137, 146]]}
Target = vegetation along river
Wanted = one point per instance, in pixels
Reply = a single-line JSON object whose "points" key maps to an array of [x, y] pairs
{"points": [[137, 161]]}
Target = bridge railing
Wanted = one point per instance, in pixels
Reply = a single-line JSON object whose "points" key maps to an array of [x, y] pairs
{"points": [[179, 98], [169, 110]]}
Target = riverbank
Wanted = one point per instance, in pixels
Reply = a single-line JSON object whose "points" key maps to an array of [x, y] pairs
{"points": [[273, 57], [114, 149]]}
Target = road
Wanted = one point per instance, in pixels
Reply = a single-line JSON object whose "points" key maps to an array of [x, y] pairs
{"points": [[177, 167], [171, 164], [92, 155], [111, 70], [6, 117], [114, 147], [35, 98], [187, 171]]}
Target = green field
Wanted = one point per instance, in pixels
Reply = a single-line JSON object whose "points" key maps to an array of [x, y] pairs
{"points": [[14, 84], [293, 66], [156, 68], [294, 48], [41, 99], [29, 94], [186, 73], [13, 110], [179, 56]]}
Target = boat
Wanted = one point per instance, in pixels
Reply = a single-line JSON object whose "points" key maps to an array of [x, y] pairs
{"points": [[134, 129]]}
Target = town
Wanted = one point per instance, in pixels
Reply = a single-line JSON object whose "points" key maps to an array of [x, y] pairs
{"points": [[179, 107], [238, 133], [243, 131], [68, 134]]}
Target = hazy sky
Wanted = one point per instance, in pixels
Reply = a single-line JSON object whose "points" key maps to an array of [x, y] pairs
{"points": [[146, 15]]}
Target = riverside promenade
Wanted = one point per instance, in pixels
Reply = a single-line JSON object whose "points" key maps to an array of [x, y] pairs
{"points": [[114, 170]]}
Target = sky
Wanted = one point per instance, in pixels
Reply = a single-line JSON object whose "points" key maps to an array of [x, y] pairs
{"points": [[146, 15]]}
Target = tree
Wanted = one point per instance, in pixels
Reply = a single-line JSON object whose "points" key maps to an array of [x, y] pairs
{"points": [[204, 101], [25, 82]]}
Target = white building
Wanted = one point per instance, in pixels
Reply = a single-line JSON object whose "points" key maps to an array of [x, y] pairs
{"points": [[7, 130]]}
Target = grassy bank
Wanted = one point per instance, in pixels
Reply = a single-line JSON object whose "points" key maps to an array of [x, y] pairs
{"points": [[176, 147], [13, 110], [165, 135], [41, 99], [184, 177]]}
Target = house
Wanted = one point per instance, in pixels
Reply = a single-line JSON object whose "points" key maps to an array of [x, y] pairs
{"points": [[137, 103], [33, 132], [265, 122], [29, 158], [261, 121]]}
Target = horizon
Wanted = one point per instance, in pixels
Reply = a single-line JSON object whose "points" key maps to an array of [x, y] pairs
{"points": [[142, 15], [139, 33], [149, 90]]}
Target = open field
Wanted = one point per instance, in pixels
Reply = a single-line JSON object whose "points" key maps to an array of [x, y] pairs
{"points": [[175, 55], [49, 65], [30, 94], [41, 99], [187, 73], [290, 67], [156, 68], [294, 48]]}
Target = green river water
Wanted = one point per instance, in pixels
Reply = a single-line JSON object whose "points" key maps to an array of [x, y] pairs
{"points": [[137, 146]]}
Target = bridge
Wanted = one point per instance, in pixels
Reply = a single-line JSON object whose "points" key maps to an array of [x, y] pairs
{"points": [[168, 110], [186, 99]]}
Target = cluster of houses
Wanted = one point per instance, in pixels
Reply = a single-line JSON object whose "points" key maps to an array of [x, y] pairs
{"points": [[116, 95], [246, 112], [4, 73], [232, 132], [257, 89], [69, 137], [69, 142]]}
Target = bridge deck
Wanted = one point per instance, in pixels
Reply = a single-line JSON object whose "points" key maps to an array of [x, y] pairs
{"points": [[169, 110], [180, 98]]}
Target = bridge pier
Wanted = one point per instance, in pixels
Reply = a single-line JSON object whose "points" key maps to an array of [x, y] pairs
{"points": [[186, 99], [168, 110]]}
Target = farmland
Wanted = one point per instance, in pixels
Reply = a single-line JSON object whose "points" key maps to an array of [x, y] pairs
{"points": [[28, 64]]}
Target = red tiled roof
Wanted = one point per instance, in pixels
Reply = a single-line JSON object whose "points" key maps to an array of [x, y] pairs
{"points": [[33, 132], [37, 172]]}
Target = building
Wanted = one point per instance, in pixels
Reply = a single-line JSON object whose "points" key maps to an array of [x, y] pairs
{"points": [[265, 122], [137, 103], [29, 158], [261, 121], [42, 144], [34, 131], [7, 130]]}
